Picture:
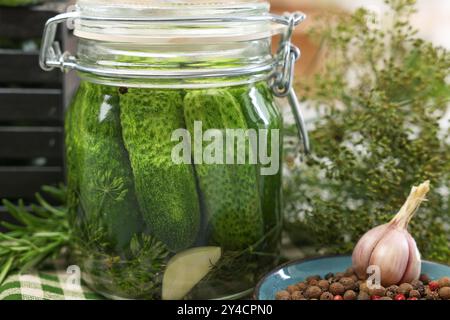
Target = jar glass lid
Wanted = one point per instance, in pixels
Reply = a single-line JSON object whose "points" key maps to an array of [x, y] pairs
{"points": [[173, 21], [173, 7]]}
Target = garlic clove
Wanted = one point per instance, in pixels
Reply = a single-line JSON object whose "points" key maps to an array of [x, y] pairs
{"points": [[414, 263], [391, 255], [364, 248]]}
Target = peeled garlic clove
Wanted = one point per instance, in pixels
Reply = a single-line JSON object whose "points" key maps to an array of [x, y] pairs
{"points": [[391, 255], [364, 248], [414, 263], [186, 269]]}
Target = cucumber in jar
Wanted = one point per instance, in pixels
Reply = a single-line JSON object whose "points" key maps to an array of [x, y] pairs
{"points": [[166, 191], [229, 191], [99, 168], [261, 112], [19, 3]]}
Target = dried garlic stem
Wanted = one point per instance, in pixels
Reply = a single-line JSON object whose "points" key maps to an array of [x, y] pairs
{"points": [[415, 198]]}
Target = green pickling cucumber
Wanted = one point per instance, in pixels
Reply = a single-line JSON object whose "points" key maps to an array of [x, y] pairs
{"points": [[261, 112], [165, 191], [99, 166], [18, 3], [230, 191]]}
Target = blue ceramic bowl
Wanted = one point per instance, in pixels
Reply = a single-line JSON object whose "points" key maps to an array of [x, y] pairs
{"points": [[296, 271]]}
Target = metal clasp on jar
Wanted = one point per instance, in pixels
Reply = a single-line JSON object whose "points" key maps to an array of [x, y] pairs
{"points": [[283, 78]]}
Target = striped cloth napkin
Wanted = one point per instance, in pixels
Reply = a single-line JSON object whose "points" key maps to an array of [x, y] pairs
{"points": [[45, 286]]}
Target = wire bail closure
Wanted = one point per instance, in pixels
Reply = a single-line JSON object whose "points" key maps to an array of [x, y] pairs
{"points": [[283, 77], [283, 66]]}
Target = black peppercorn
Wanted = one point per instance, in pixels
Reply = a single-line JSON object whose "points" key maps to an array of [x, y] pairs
{"points": [[324, 284], [421, 290], [329, 275], [313, 292], [363, 296], [297, 295], [313, 282], [356, 288], [301, 286], [337, 288], [348, 283], [444, 282], [392, 291], [414, 294], [283, 295], [405, 288], [416, 284], [444, 293], [123, 90], [326, 296], [363, 287], [350, 295], [291, 289], [432, 295], [377, 291]]}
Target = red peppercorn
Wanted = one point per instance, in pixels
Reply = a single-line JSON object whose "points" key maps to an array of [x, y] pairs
{"points": [[413, 298], [338, 297], [433, 285], [400, 297], [375, 298], [424, 278]]}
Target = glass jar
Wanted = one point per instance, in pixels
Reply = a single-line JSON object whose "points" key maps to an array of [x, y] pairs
{"points": [[20, 3], [174, 144]]}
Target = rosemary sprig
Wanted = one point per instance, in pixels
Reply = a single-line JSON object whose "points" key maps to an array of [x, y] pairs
{"points": [[39, 232]]}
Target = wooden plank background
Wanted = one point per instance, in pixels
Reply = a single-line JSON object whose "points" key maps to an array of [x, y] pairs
{"points": [[26, 181], [20, 68], [24, 23], [31, 142], [31, 107], [28, 105]]}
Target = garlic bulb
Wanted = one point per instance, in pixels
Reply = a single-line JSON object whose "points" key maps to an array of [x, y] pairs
{"points": [[391, 247]]}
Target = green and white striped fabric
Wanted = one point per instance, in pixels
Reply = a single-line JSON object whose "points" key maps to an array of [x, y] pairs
{"points": [[44, 286]]}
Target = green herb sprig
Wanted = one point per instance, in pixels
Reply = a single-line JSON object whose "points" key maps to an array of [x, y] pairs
{"points": [[40, 232]]}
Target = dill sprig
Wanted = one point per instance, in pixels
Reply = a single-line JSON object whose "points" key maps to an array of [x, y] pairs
{"points": [[136, 273], [382, 103]]}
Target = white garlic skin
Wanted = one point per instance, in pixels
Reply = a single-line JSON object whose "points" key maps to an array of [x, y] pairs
{"points": [[391, 247], [364, 248], [393, 250], [415, 263]]}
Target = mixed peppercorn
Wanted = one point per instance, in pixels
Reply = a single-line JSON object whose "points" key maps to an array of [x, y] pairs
{"points": [[347, 286]]}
